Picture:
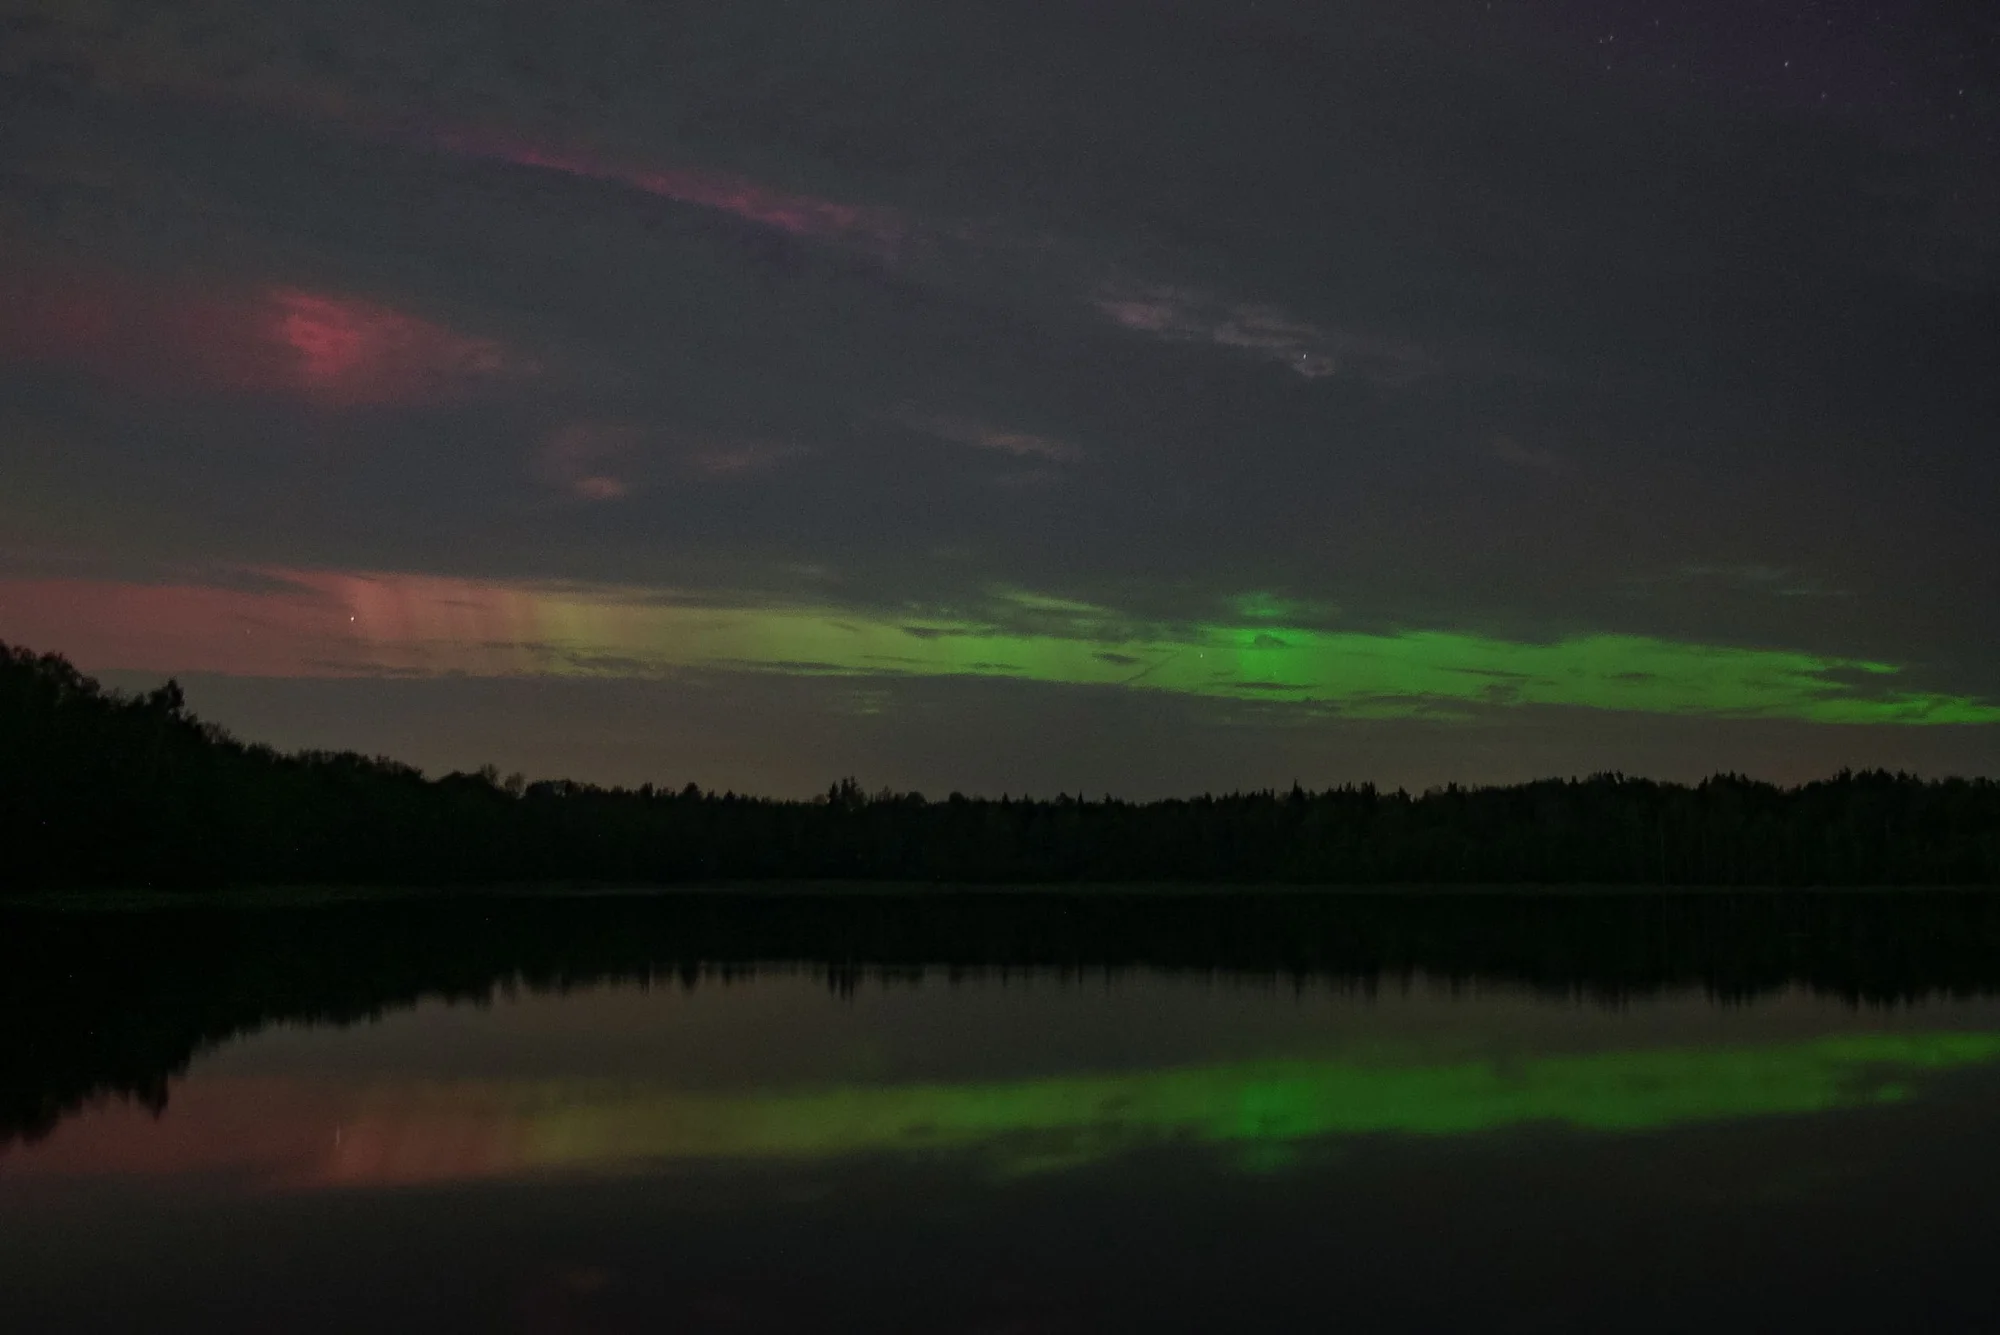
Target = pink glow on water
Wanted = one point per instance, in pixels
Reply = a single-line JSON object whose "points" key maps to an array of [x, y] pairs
{"points": [[285, 1134]]}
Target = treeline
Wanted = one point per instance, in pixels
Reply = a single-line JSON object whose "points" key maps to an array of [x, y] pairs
{"points": [[99, 788]]}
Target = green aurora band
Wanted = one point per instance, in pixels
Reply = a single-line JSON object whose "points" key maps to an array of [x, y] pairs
{"points": [[1259, 649], [1356, 674], [1257, 1110]]}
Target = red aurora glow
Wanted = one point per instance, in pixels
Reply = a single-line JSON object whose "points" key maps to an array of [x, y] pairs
{"points": [[302, 624], [329, 349], [351, 351]]}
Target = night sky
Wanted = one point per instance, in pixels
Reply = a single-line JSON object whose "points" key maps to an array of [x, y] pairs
{"points": [[1142, 395]]}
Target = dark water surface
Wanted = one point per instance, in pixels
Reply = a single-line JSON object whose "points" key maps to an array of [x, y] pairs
{"points": [[986, 1113]]}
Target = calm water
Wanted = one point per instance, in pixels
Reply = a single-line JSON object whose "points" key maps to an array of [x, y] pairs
{"points": [[788, 1146]]}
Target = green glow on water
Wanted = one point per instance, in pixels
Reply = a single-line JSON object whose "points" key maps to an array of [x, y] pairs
{"points": [[1260, 1111]]}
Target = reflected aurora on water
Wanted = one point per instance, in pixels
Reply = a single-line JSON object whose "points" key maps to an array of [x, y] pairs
{"points": [[1258, 1109]]}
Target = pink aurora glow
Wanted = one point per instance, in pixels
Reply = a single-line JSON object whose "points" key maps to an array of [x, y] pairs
{"points": [[799, 215], [329, 349], [288, 1134], [288, 623]]}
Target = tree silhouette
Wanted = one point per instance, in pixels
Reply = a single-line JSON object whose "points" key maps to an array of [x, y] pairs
{"points": [[98, 788]]}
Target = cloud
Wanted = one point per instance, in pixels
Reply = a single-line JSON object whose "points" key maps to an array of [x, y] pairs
{"points": [[984, 436], [406, 79], [1511, 451], [590, 460], [611, 460], [741, 458], [795, 214], [1184, 315], [1775, 581]]}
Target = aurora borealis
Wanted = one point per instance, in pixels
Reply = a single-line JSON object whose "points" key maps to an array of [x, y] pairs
{"points": [[1009, 397], [1255, 1115], [1072, 1121], [1018, 666], [365, 623]]}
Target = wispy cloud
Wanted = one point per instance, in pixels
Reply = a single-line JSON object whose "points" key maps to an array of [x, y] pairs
{"points": [[796, 214], [1508, 450], [985, 436], [1185, 315], [1769, 580], [248, 55], [590, 461], [741, 458], [611, 460]]}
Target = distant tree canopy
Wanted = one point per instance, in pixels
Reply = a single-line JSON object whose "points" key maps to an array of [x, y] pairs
{"points": [[103, 789]]}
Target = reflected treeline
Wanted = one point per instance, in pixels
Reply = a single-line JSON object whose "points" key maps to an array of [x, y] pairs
{"points": [[117, 1001], [102, 789]]}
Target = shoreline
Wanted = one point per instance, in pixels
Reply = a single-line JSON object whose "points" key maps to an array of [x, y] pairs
{"points": [[311, 896]]}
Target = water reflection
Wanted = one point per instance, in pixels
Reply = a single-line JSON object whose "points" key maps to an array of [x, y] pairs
{"points": [[118, 1003], [776, 1070], [1063, 1122], [511, 1116]]}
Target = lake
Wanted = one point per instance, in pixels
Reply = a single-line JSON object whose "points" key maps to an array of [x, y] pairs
{"points": [[983, 1112]]}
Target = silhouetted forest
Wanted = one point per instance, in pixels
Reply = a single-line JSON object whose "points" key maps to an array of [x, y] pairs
{"points": [[116, 1002], [99, 788]]}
